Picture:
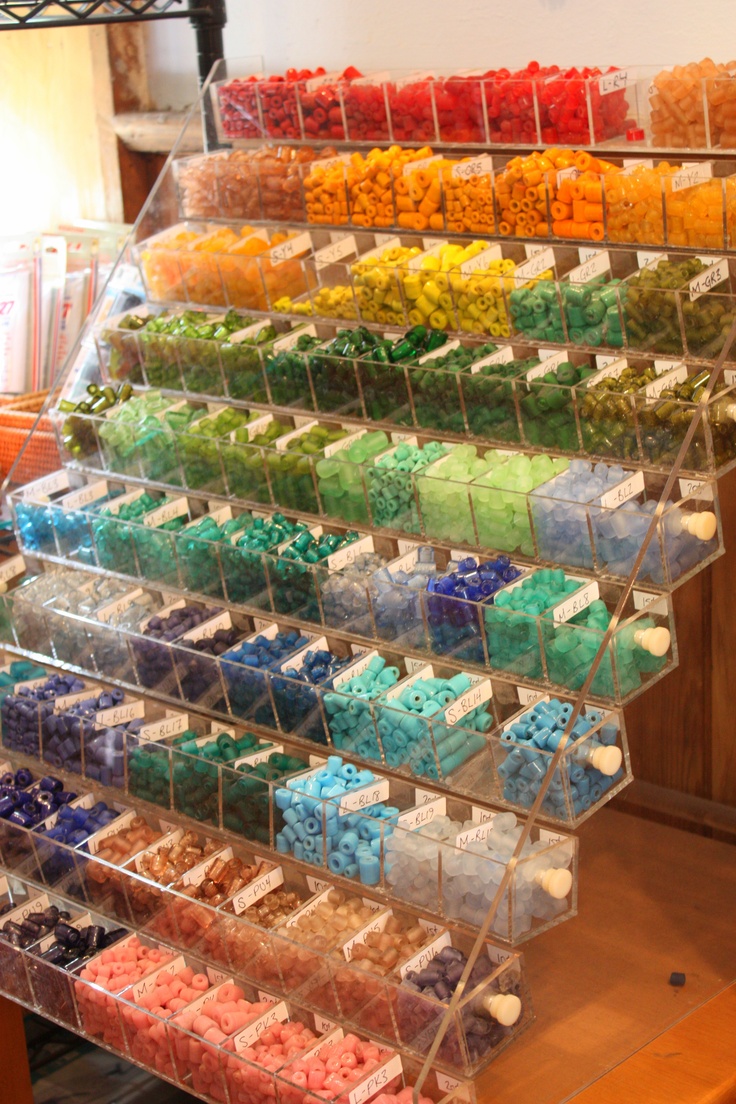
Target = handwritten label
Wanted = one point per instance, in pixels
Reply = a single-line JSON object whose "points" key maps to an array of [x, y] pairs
{"points": [[612, 369], [476, 166], [576, 603], [534, 267], [219, 516], [481, 260], [365, 797], [62, 703], [443, 350], [477, 834], [377, 1080], [375, 924], [10, 569], [293, 247], [420, 163], [258, 889], [124, 500], [696, 488], [178, 507], [112, 610], [708, 279], [277, 1013], [260, 756], [424, 957], [597, 265], [413, 667], [335, 251], [323, 1025], [689, 175], [628, 488], [34, 904], [572, 172], [147, 984], [344, 443], [294, 434], [445, 1083], [546, 836], [85, 495], [668, 379], [218, 979], [161, 730], [43, 488], [465, 703], [647, 258], [207, 628], [549, 363], [527, 695], [613, 82], [284, 344], [349, 553], [422, 814], [501, 356], [121, 714], [317, 885]]}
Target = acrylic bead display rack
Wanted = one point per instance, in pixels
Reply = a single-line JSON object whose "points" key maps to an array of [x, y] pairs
{"points": [[308, 359]]}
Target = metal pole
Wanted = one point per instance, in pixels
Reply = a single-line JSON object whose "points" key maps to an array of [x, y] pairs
{"points": [[208, 18]]}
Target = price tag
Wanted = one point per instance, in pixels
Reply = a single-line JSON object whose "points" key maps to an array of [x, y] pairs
{"points": [[425, 956], [11, 569], [215, 977], [550, 362], [121, 714], [422, 814], [576, 603], [475, 166], [112, 610], [312, 905], [161, 730], [481, 260], [208, 628], [413, 667], [41, 489], [421, 163], [708, 279], [349, 553], [527, 695], [612, 369], [613, 82], [277, 1013], [481, 691], [178, 507], [317, 885], [93, 492], [445, 1083], [690, 175], [643, 599], [502, 356], [375, 924], [482, 816], [257, 889], [646, 258], [355, 800], [628, 488], [403, 438], [534, 267], [377, 1080], [289, 340], [597, 265], [668, 379], [336, 251], [293, 247], [572, 172], [696, 488], [436, 354], [551, 837], [323, 1025], [531, 248]]}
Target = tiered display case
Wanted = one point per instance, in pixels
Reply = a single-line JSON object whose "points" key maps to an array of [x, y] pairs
{"points": [[255, 335]]}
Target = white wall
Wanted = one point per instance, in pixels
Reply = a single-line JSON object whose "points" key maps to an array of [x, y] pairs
{"points": [[447, 34]]}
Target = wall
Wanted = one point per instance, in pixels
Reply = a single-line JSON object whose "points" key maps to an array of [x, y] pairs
{"points": [[427, 33]]}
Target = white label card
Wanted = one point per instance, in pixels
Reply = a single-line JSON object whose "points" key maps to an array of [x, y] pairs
{"points": [[482, 816], [377, 1080], [480, 692], [668, 379], [696, 488], [12, 568], [354, 670], [549, 363], [161, 730], [598, 265], [690, 175], [45, 487], [343, 443], [317, 885], [364, 798], [147, 984], [422, 814], [534, 267], [293, 247], [375, 924], [258, 889], [527, 695], [629, 487], [708, 279], [424, 957], [481, 260], [612, 369], [421, 163], [208, 628], [336, 251], [476, 166], [473, 835], [550, 837], [647, 258], [261, 756], [349, 553], [655, 603], [121, 714], [576, 603], [118, 825], [85, 495], [613, 82], [178, 507], [112, 610], [277, 1013]]}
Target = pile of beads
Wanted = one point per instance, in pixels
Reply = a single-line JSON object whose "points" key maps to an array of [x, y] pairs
{"points": [[197, 667], [34, 803], [74, 945], [242, 458], [152, 654], [75, 823], [340, 477], [117, 968], [454, 624], [390, 488], [63, 733], [12, 785], [344, 594], [349, 717], [146, 1035], [243, 563], [396, 596], [316, 831], [199, 450], [500, 500], [333, 372], [293, 582], [547, 408], [36, 926], [23, 713], [121, 846], [77, 434], [275, 1045], [287, 375], [199, 564], [443, 494], [20, 670], [165, 864], [244, 670], [291, 468], [295, 691], [584, 774], [194, 770], [246, 794]]}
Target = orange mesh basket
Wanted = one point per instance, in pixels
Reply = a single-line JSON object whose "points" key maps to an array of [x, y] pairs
{"points": [[17, 417]]}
